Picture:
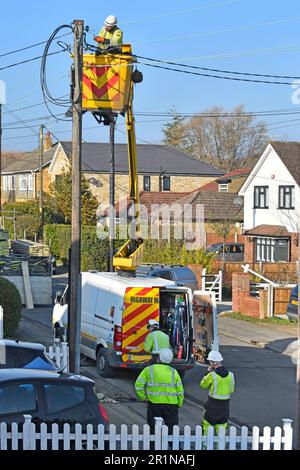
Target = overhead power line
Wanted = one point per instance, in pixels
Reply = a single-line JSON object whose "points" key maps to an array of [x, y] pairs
{"points": [[188, 72], [29, 60], [231, 72], [30, 47]]}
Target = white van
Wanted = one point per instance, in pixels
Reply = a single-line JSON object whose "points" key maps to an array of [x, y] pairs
{"points": [[115, 314]]}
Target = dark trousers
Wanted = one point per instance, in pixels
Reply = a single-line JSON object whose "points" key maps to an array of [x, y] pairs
{"points": [[169, 413]]}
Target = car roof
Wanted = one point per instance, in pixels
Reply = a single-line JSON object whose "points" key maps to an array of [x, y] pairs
{"points": [[20, 344], [33, 374]]}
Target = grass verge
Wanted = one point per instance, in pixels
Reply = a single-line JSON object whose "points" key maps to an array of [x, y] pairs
{"points": [[271, 321]]}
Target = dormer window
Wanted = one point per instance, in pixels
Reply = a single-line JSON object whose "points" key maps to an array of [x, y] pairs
{"points": [[223, 187]]}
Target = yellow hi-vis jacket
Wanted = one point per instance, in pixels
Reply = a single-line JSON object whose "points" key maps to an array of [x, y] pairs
{"points": [[155, 341], [112, 38], [220, 388], [160, 384]]}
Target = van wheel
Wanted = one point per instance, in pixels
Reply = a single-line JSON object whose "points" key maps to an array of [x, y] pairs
{"points": [[103, 366]]}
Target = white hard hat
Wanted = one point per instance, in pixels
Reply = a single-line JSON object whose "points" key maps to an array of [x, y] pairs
{"points": [[166, 356], [152, 323], [111, 20], [215, 356]]}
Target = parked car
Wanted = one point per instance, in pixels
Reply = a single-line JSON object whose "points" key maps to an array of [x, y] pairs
{"points": [[49, 397], [233, 251], [181, 275], [16, 355], [292, 308]]}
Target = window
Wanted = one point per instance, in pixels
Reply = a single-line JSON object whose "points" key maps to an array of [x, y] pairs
{"points": [[166, 183], [23, 182], [271, 250], [11, 183], [261, 197], [286, 197], [165, 275], [61, 397], [17, 398], [147, 183], [30, 182], [4, 183], [223, 188]]}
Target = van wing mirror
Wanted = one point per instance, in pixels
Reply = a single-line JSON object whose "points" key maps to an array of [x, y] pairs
{"points": [[59, 297]]}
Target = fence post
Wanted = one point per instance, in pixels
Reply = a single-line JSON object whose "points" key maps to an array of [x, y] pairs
{"points": [[287, 434], [1, 323], [203, 279], [27, 432], [220, 285], [65, 357], [158, 432]]}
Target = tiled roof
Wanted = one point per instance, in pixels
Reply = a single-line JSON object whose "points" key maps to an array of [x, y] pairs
{"points": [[30, 161], [151, 160], [214, 185], [289, 153], [217, 206], [268, 231], [147, 198]]}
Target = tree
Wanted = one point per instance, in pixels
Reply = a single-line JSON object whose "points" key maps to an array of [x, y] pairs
{"points": [[231, 141], [174, 131], [61, 199], [222, 228]]}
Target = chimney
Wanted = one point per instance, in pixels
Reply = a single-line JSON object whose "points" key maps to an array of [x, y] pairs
{"points": [[48, 141]]}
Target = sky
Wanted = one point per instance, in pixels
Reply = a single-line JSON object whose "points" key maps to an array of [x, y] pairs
{"points": [[252, 36]]}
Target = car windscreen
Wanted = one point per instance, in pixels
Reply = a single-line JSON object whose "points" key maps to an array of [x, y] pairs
{"points": [[27, 358], [213, 248], [184, 274]]}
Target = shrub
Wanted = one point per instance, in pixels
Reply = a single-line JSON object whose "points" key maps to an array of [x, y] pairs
{"points": [[10, 300], [175, 252]]}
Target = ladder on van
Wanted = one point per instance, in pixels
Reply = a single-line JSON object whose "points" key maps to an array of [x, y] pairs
{"points": [[213, 283]]}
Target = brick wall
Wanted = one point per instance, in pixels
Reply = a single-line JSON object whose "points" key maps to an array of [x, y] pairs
{"points": [[242, 302], [249, 250], [294, 248]]}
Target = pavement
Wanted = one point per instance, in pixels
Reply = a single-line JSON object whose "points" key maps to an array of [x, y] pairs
{"points": [[279, 338]]}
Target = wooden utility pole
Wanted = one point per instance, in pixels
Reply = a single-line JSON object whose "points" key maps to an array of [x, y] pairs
{"points": [[75, 271], [112, 220], [41, 204], [0, 159], [298, 356]]}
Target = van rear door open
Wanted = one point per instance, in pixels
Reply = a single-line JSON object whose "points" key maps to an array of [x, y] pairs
{"points": [[140, 305]]}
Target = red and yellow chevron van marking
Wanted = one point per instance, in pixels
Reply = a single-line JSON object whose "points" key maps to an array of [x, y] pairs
{"points": [[141, 305]]}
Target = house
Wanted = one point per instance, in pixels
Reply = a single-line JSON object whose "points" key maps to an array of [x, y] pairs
{"points": [[229, 183], [160, 168], [222, 212], [21, 179], [272, 205]]}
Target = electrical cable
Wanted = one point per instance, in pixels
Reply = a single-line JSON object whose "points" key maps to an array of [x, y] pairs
{"points": [[215, 76], [48, 97], [30, 47], [28, 60], [218, 70]]}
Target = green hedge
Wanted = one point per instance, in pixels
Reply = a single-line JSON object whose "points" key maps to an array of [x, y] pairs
{"points": [[10, 300], [175, 252], [94, 252]]}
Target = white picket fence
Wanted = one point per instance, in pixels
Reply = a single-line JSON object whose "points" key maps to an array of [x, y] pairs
{"points": [[59, 353], [135, 438]]}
